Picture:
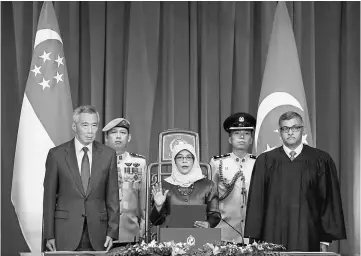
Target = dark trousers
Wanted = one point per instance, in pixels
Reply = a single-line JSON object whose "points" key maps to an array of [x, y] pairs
{"points": [[85, 244]]}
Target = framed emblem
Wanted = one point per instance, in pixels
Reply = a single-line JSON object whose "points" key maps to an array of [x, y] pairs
{"points": [[172, 138]]}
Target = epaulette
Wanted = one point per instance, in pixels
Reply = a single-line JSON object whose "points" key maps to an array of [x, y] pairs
{"points": [[136, 155], [252, 156], [221, 156]]}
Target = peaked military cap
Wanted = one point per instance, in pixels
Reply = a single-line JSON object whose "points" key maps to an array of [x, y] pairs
{"points": [[117, 122], [239, 121]]}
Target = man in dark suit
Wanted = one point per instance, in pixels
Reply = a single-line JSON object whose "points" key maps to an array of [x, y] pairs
{"points": [[81, 200]]}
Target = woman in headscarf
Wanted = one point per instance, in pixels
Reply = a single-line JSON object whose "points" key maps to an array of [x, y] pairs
{"points": [[186, 186]]}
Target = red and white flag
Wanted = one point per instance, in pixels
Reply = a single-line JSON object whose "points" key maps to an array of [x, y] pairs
{"points": [[45, 122], [282, 86]]}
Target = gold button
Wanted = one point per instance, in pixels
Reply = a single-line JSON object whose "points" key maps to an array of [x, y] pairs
{"points": [[237, 159]]}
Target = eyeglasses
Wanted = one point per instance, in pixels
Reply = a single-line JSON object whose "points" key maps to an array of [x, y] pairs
{"points": [[181, 158], [286, 129]]}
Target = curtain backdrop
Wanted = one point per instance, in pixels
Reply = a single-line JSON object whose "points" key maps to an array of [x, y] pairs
{"points": [[189, 65]]}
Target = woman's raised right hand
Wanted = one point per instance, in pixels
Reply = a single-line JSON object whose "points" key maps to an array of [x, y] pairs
{"points": [[158, 195]]}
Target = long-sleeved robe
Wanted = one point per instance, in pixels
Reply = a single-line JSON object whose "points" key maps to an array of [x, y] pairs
{"points": [[295, 203]]}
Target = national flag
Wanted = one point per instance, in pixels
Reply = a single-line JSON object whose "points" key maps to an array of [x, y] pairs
{"points": [[282, 86], [45, 122]]}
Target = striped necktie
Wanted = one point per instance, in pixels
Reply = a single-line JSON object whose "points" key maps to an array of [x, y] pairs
{"points": [[292, 154]]}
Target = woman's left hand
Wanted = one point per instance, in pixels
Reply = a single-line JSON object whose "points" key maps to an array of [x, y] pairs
{"points": [[201, 224]]}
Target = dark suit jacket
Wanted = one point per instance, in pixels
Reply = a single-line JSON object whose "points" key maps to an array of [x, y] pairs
{"points": [[66, 205]]}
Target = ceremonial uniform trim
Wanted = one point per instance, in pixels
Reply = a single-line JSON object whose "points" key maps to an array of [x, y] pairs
{"points": [[132, 187], [230, 186], [136, 155], [221, 156], [232, 175]]}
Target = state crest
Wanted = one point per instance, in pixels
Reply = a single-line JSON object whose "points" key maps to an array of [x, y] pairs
{"points": [[191, 240]]}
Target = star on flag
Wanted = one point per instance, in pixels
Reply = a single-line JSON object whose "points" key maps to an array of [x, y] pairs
{"points": [[282, 86], [304, 139], [59, 61], [45, 56], [269, 148], [50, 68], [45, 83], [58, 77], [36, 70], [47, 94]]}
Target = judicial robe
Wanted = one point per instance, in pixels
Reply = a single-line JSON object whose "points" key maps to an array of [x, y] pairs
{"points": [[295, 203]]}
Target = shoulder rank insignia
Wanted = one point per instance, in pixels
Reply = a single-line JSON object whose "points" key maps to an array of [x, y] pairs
{"points": [[221, 156], [136, 155], [252, 156]]}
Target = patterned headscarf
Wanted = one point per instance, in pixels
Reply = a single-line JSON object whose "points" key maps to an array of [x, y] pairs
{"points": [[185, 180]]}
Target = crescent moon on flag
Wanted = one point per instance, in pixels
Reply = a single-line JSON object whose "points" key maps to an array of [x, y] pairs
{"points": [[272, 101], [45, 34]]}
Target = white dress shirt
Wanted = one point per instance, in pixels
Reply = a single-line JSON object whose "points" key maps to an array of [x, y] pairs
{"points": [[298, 150], [80, 153]]}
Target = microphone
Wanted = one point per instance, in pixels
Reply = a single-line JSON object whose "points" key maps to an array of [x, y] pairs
{"points": [[219, 214]]}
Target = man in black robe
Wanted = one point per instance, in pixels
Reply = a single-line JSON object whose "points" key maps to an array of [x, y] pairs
{"points": [[294, 196]]}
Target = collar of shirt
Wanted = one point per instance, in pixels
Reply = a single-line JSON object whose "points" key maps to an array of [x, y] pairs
{"points": [[298, 150], [79, 147], [235, 157]]}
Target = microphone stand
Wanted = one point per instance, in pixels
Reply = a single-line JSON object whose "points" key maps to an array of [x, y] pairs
{"points": [[151, 226], [219, 214]]}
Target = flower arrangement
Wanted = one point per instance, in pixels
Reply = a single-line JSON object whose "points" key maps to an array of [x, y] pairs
{"points": [[209, 249]]}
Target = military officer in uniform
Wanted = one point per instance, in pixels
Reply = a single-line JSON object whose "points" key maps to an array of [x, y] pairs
{"points": [[232, 173], [131, 181]]}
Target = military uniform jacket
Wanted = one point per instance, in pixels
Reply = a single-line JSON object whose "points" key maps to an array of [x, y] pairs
{"points": [[228, 170], [132, 196]]}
